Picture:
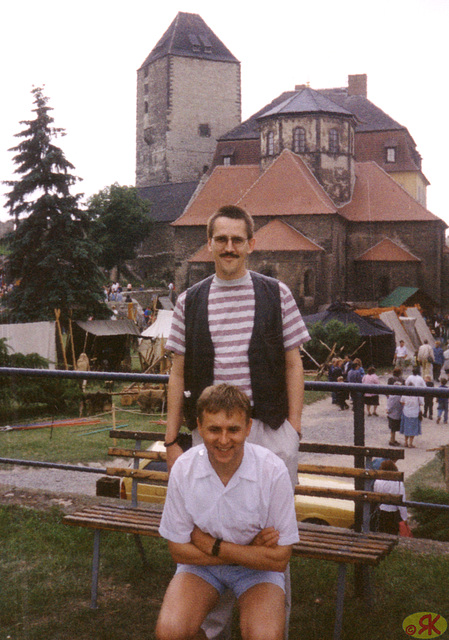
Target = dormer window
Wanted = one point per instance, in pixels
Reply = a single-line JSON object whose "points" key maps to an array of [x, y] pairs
{"points": [[390, 154], [194, 43], [299, 140], [334, 142], [270, 144]]}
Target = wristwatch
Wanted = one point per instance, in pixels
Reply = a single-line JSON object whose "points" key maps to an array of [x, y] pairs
{"points": [[216, 547]]}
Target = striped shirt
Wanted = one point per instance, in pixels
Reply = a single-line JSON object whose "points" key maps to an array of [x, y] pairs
{"points": [[231, 308]]}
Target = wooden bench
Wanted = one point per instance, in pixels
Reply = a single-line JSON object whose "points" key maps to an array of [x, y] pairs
{"points": [[344, 546]]}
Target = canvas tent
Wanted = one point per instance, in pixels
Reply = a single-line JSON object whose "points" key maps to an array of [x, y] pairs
{"points": [[106, 342], [152, 345], [31, 337], [378, 338]]}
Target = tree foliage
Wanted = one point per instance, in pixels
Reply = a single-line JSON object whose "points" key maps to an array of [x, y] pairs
{"points": [[345, 336], [122, 222], [52, 259], [55, 394]]}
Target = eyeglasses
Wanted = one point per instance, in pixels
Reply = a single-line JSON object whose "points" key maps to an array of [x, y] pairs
{"points": [[222, 241]]}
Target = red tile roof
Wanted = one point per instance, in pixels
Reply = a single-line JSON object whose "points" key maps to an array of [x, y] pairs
{"points": [[225, 186], [387, 251], [378, 198], [280, 236], [287, 188], [202, 255], [274, 236]]}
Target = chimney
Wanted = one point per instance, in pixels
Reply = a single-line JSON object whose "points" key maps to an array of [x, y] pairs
{"points": [[357, 85], [299, 87]]}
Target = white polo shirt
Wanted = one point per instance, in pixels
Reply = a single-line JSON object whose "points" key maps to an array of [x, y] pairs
{"points": [[258, 495]]}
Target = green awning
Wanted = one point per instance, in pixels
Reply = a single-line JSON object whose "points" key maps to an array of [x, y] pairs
{"points": [[398, 297]]}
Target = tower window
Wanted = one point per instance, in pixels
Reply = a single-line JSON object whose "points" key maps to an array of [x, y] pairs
{"points": [[204, 130], [299, 140], [145, 72], [390, 154], [334, 143], [146, 106], [270, 144], [145, 88]]}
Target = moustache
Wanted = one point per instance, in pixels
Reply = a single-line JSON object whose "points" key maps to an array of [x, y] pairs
{"points": [[228, 255]]}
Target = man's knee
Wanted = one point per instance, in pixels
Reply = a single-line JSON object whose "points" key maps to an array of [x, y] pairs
{"points": [[262, 630], [173, 629]]}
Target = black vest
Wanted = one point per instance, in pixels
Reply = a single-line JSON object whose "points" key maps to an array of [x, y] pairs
{"points": [[266, 351]]}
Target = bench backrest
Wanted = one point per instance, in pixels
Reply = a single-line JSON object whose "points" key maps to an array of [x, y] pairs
{"points": [[366, 495]]}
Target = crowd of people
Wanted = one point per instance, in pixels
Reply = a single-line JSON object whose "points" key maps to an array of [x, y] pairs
{"points": [[430, 368]]}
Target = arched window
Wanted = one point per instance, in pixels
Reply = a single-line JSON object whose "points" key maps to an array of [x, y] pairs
{"points": [[299, 140], [309, 283], [270, 144], [334, 143]]}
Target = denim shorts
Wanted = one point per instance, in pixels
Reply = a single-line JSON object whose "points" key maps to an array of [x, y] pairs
{"points": [[238, 579]]}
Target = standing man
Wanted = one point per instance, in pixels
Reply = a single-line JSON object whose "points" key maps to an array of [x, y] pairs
{"points": [[425, 359], [241, 328], [400, 355]]}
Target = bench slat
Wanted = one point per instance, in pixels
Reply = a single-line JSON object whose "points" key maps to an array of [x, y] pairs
{"points": [[351, 450], [350, 472], [142, 474], [349, 494], [320, 542]]}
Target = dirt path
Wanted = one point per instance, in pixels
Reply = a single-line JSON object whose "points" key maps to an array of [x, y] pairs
{"points": [[322, 422]]}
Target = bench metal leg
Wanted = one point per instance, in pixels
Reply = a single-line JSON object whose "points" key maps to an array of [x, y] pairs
{"points": [[141, 550], [340, 601], [95, 569]]}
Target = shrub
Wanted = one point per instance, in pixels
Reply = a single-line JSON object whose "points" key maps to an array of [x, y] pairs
{"points": [[345, 336], [432, 523], [55, 394]]}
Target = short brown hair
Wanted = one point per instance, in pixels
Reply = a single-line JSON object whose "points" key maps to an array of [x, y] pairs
{"points": [[223, 397], [234, 213], [388, 465]]}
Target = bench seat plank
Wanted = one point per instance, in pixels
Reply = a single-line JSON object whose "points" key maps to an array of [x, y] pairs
{"points": [[316, 541]]}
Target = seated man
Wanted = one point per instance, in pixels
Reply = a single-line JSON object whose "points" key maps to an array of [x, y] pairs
{"points": [[230, 521]]}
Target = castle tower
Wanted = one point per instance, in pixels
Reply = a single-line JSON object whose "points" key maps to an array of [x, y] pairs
{"points": [[188, 95], [320, 131]]}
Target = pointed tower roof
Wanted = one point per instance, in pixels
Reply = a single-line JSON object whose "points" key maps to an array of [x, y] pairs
{"points": [[280, 236], [307, 100], [378, 198], [287, 188], [189, 36], [387, 251]]}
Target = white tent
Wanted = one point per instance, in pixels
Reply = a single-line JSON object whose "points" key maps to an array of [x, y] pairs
{"points": [[31, 337], [154, 337]]}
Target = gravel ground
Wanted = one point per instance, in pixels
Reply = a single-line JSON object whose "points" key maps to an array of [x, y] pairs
{"points": [[322, 422]]}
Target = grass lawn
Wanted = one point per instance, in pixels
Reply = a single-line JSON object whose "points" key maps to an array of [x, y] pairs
{"points": [[45, 582]]}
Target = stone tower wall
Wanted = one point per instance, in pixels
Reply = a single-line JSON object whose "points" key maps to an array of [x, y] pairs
{"points": [[183, 105]]}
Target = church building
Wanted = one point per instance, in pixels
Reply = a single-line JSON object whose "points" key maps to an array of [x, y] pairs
{"points": [[334, 184]]}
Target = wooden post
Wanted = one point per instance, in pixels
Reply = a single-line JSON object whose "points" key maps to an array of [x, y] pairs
{"points": [[446, 466], [72, 343], [57, 314]]}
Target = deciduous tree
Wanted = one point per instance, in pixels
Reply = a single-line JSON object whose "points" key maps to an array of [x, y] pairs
{"points": [[122, 222]]}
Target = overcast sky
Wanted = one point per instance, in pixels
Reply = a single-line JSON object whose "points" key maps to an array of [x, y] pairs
{"points": [[86, 53]]}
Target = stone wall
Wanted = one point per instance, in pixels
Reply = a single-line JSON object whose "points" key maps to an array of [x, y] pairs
{"points": [[423, 239], [334, 170], [183, 106]]}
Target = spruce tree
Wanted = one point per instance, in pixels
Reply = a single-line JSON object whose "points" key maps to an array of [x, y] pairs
{"points": [[52, 260]]}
